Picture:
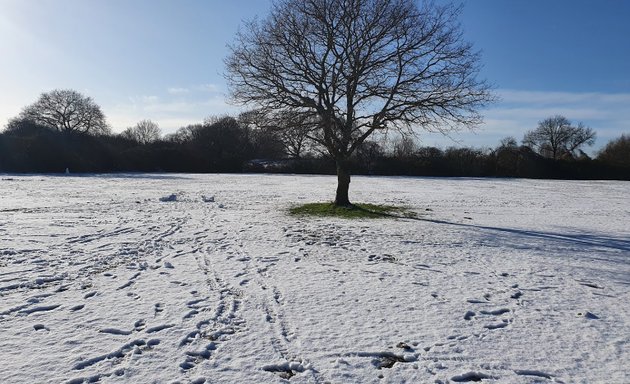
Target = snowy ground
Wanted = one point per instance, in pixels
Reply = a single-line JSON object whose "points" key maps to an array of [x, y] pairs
{"points": [[501, 281]]}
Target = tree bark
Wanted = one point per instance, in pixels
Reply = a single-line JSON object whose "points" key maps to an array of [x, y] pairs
{"points": [[343, 183]]}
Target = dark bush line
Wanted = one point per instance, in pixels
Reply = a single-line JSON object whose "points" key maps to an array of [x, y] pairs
{"points": [[223, 146]]}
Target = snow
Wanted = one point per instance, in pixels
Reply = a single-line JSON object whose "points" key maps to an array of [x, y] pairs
{"points": [[112, 279]]}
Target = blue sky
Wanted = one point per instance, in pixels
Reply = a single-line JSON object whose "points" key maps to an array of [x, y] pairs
{"points": [[163, 60]]}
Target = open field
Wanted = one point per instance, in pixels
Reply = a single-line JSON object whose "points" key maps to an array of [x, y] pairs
{"points": [[499, 281]]}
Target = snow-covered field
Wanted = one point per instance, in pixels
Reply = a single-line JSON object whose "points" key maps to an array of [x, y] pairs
{"points": [[111, 279]]}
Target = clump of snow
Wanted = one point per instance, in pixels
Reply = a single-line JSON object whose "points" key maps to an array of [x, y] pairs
{"points": [[169, 198]]}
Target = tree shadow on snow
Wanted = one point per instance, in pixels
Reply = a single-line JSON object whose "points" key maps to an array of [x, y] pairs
{"points": [[610, 255], [582, 239]]}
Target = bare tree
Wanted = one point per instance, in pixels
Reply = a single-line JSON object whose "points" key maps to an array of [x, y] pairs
{"points": [[616, 152], [184, 134], [145, 132], [295, 138], [405, 147], [355, 67], [556, 138], [292, 129], [67, 110], [508, 142]]}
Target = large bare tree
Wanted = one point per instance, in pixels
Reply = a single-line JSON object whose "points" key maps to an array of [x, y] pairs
{"points": [[356, 67], [67, 110], [556, 137]]}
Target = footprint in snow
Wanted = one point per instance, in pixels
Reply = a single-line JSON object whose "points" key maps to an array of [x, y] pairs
{"points": [[190, 314], [139, 325], [404, 346], [285, 371], [498, 325], [128, 348], [531, 372], [495, 312], [39, 327], [159, 328], [590, 285], [114, 331], [195, 357], [43, 308], [588, 315], [472, 377]]}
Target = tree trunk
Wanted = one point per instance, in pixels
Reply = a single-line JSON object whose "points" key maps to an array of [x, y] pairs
{"points": [[343, 183]]}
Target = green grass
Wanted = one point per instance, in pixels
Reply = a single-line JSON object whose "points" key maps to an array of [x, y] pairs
{"points": [[355, 211]]}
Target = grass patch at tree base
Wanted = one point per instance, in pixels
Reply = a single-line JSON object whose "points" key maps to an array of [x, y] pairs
{"points": [[354, 211]]}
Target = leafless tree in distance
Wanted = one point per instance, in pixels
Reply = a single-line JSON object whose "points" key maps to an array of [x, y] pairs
{"points": [[508, 142], [405, 147], [356, 67], [67, 110], [292, 129], [556, 138], [145, 132], [617, 151]]}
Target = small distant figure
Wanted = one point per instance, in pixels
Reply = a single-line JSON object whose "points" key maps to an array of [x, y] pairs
{"points": [[67, 171]]}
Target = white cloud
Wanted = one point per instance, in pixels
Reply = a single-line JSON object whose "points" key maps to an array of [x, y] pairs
{"points": [[178, 90], [212, 88], [607, 113], [143, 99], [531, 112], [199, 88]]}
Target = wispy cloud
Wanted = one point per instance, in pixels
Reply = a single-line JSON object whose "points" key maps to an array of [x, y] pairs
{"points": [[177, 90], [143, 99], [606, 113], [211, 88], [198, 88]]}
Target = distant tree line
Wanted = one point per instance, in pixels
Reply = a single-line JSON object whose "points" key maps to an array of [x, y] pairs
{"points": [[66, 130]]}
